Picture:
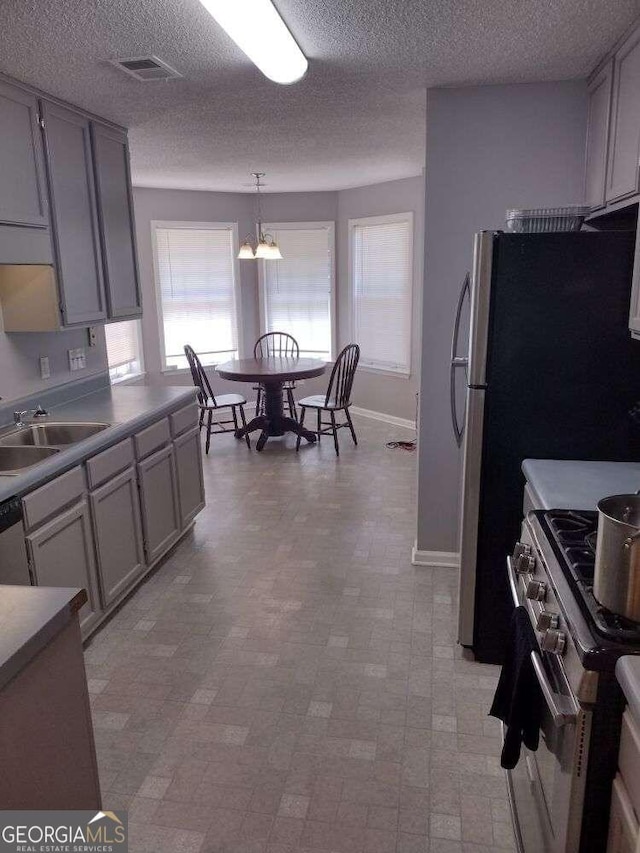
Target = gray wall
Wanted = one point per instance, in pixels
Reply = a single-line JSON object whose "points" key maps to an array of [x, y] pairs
{"points": [[20, 354], [390, 394], [488, 149]]}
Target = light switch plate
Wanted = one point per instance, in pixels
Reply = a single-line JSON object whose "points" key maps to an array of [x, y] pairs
{"points": [[45, 369], [77, 359]]}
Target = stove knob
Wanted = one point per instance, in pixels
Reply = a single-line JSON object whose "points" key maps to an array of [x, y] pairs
{"points": [[525, 564], [553, 641], [521, 548], [536, 590], [547, 620]]}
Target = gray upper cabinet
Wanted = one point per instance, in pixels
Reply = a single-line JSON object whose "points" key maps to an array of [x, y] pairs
{"points": [[22, 186], [74, 216], [624, 139], [115, 216], [597, 136]]}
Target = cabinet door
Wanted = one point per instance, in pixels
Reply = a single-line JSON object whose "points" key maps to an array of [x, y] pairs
{"points": [[634, 310], [61, 554], [188, 456], [159, 502], [115, 217], [74, 215], [22, 185], [623, 825], [118, 534], [624, 141], [598, 136]]}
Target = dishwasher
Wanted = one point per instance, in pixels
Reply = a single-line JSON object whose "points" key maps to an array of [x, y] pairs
{"points": [[14, 566]]}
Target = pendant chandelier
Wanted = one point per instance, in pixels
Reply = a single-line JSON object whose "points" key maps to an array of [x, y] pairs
{"points": [[266, 247]]}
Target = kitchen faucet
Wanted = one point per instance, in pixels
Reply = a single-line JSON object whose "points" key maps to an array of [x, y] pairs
{"points": [[19, 418]]}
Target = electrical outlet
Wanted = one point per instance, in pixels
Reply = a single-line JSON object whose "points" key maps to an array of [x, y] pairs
{"points": [[45, 370], [91, 334], [77, 359]]}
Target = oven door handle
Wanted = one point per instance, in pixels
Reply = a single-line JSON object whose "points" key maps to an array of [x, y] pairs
{"points": [[563, 709]]}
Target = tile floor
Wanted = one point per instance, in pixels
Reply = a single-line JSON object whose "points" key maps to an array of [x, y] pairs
{"points": [[287, 681]]}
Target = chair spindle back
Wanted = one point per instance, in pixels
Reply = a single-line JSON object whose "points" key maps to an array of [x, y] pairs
{"points": [[276, 343], [200, 378], [342, 376]]}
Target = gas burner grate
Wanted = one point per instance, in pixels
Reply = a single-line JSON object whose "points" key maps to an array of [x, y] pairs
{"points": [[574, 534]]}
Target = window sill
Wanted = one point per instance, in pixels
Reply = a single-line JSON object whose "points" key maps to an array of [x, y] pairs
{"points": [[177, 371], [380, 371], [131, 377]]}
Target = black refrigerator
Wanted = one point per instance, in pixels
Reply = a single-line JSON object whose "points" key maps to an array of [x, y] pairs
{"points": [[551, 372]]}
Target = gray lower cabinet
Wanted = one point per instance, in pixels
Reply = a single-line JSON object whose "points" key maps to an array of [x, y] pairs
{"points": [[61, 554], [624, 139], [22, 184], [188, 458], [117, 533], [159, 502], [115, 217], [74, 217]]}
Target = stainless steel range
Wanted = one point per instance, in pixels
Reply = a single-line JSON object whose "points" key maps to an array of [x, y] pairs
{"points": [[560, 794]]}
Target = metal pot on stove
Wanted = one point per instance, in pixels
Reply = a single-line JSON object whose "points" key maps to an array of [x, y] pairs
{"points": [[616, 581]]}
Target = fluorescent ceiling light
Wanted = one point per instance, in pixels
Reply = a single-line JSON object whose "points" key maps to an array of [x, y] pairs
{"points": [[258, 30]]}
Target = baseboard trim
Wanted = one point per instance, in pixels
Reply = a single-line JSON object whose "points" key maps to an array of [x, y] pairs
{"points": [[443, 559], [382, 416]]}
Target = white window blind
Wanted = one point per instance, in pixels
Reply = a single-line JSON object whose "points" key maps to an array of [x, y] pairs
{"points": [[196, 282], [297, 291], [382, 284], [123, 349]]}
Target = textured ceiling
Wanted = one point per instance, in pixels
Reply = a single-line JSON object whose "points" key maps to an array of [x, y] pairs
{"points": [[357, 117]]}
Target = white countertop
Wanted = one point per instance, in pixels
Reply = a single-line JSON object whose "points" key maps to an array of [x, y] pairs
{"points": [[127, 409], [571, 484]]}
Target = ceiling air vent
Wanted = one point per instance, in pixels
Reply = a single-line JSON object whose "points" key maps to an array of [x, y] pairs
{"points": [[146, 68]]}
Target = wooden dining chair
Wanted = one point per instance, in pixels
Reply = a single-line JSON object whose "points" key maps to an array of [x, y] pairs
{"points": [[337, 398], [283, 344], [209, 403]]}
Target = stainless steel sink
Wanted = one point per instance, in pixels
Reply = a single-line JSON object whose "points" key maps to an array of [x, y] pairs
{"points": [[14, 460], [51, 434]]}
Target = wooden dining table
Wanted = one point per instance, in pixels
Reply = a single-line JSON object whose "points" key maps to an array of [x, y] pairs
{"points": [[272, 372]]}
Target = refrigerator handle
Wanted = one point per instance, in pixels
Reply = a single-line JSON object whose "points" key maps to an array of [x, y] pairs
{"points": [[457, 361]]}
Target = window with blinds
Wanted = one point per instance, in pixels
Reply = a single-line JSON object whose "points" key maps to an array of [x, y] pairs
{"points": [[297, 292], [196, 282], [381, 250], [124, 351]]}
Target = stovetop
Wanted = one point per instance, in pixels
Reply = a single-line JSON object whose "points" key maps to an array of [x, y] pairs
{"points": [[572, 534]]}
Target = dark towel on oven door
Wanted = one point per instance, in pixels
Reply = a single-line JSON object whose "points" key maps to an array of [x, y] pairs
{"points": [[518, 700]]}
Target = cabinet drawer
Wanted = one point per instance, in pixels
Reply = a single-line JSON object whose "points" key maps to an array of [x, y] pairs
{"points": [[109, 463], [152, 438], [52, 497], [629, 759], [184, 419]]}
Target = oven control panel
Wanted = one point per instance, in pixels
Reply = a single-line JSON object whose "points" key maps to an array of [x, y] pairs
{"points": [[542, 603]]}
